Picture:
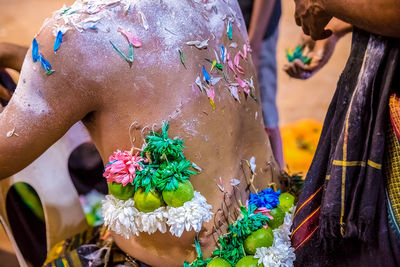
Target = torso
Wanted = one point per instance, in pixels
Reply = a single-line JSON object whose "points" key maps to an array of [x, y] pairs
{"points": [[156, 88]]}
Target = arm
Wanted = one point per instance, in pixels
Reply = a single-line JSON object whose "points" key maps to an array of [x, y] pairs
{"points": [[319, 51], [260, 16], [42, 108], [380, 17]]}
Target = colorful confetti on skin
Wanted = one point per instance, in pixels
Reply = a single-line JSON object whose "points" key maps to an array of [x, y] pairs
{"points": [[130, 37], [94, 9], [144, 20], [230, 30], [236, 62], [216, 56], [35, 50], [213, 64], [206, 75], [234, 92], [220, 185], [182, 59], [58, 41], [211, 96], [223, 54], [127, 59], [230, 63], [243, 85], [45, 64], [199, 84], [198, 44]]}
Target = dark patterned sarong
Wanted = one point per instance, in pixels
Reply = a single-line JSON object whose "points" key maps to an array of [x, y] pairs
{"points": [[342, 216], [92, 248]]}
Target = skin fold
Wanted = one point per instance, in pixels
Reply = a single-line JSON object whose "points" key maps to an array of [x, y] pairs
{"points": [[94, 84]]}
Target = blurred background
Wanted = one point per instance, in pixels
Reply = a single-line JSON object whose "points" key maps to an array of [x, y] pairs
{"points": [[302, 104]]}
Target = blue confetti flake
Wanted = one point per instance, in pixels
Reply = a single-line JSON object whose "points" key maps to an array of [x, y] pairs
{"points": [[58, 41], [35, 50], [206, 75], [222, 53], [46, 65]]}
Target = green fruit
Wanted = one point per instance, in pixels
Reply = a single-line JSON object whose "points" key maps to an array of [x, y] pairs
{"points": [[279, 216], [218, 262], [147, 202], [258, 239], [286, 201], [120, 191], [178, 197], [248, 261]]}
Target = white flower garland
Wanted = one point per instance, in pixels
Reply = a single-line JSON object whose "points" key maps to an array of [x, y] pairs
{"points": [[280, 253], [123, 218], [191, 215]]}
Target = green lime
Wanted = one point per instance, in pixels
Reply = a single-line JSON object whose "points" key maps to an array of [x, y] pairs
{"points": [[182, 194], [279, 216], [286, 201], [248, 261], [258, 239], [218, 262], [147, 202], [120, 191]]}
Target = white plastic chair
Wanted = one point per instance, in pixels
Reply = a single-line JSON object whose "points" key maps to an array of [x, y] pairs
{"points": [[49, 176]]}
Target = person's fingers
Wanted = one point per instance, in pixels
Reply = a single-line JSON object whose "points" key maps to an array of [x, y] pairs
{"points": [[289, 69], [305, 75], [297, 19], [305, 28], [316, 35]]}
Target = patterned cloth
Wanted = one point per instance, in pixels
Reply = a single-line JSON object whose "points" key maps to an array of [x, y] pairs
{"points": [[392, 164], [93, 247], [343, 208]]}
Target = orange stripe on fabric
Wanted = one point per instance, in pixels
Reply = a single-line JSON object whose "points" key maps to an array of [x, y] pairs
{"points": [[306, 239], [315, 211], [308, 200]]}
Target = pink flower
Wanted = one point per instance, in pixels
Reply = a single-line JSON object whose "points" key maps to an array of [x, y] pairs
{"points": [[265, 212], [122, 167]]}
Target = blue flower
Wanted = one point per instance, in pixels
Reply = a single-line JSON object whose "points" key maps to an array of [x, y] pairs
{"points": [[266, 198]]}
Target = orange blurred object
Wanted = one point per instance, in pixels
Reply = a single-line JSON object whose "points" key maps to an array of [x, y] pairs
{"points": [[300, 140]]}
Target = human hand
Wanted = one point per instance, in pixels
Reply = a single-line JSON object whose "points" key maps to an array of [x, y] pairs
{"points": [[312, 18], [319, 51]]}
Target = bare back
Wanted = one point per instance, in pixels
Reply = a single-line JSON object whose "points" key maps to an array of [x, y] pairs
{"points": [[120, 101]]}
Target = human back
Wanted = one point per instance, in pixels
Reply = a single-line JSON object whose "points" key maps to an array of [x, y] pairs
{"points": [[122, 98]]}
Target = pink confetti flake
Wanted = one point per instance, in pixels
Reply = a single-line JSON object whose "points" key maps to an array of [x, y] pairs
{"points": [[243, 85], [237, 59], [122, 167], [211, 93], [230, 64], [240, 69], [130, 37]]}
